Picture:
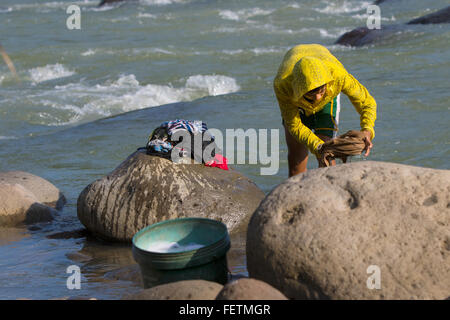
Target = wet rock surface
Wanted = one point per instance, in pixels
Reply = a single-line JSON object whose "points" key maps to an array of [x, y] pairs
{"points": [[26, 198], [441, 16], [364, 36], [146, 189], [180, 290], [249, 289]]}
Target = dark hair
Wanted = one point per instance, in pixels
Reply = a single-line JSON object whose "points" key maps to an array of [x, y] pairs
{"points": [[315, 90]]}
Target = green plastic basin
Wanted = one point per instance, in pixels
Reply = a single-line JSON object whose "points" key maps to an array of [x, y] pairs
{"points": [[182, 249]]}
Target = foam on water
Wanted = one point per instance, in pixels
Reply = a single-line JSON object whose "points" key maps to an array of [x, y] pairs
{"points": [[128, 51], [332, 33], [151, 51], [243, 14], [89, 52], [6, 10], [215, 84], [163, 247], [106, 7], [339, 47], [81, 101], [49, 72], [268, 28], [146, 15], [365, 16], [256, 51], [293, 5], [55, 5], [161, 2], [343, 7], [121, 19]]}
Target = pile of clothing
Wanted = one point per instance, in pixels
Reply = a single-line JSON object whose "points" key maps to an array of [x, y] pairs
{"points": [[169, 137], [349, 144]]}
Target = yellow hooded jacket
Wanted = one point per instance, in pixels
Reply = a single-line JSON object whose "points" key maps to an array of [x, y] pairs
{"points": [[306, 67]]}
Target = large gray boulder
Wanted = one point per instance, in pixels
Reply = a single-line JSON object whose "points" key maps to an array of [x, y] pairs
{"points": [[180, 290], [146, 189], [249, 289], [26, 198], [333, 233]]}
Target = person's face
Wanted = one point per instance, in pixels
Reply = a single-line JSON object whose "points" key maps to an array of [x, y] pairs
{"points": [[316, 95]]}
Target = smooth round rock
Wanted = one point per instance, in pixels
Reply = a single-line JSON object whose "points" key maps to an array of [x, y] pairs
{"points": [[249, 289], [363, 230], [146, 189], [180, 290], [44, 191], [19, 205]]}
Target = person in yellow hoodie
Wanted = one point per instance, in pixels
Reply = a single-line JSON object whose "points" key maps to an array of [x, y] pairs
{"points": [[308, 86]]}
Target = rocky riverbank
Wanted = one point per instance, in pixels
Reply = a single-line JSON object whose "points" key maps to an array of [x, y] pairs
{"points": [[365, 230]]}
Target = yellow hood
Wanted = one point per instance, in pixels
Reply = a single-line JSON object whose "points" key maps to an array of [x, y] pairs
{"points": [[308, 74], [306, 67]]}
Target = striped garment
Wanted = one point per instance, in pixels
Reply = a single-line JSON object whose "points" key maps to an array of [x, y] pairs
{"points": [[194, 127]]}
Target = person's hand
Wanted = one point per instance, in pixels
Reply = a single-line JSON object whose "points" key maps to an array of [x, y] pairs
{"points": [[318, 150], [367, 141], [318, 153]]}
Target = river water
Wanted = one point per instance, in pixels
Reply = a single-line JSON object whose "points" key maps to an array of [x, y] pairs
{"points": [[85, 99]]}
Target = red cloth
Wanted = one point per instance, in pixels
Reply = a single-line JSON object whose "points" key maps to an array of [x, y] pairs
{"points": [[219, 161]]}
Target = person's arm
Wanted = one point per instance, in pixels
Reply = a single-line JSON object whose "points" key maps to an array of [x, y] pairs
{"points": [[294, 124], [365, 105], [363, 102]]}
